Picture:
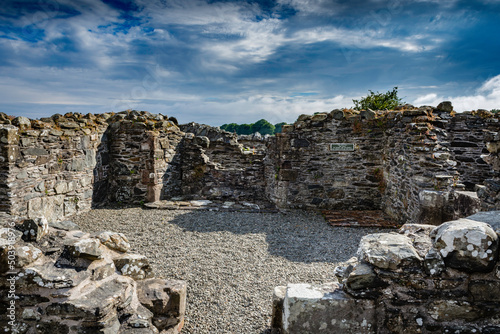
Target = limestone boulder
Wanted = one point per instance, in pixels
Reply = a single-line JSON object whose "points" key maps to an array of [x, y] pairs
{"points": [[115, 241], [22, 122], [419, 235], [467, 245], [362, 277], [166, 299], [133, 265], [26, 255], [85, 248], [34, 229], [388, 251], [48, 275], [325, 309], [489, 217]]}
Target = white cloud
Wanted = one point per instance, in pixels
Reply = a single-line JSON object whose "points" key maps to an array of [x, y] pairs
{"points": [[487, 97]]}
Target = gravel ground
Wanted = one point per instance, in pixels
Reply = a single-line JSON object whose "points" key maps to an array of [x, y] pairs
{"points": [[231, 260]]}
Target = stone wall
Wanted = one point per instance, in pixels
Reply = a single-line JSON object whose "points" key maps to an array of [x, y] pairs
{"points": [[59, 166], [49, 165], [413, 163], [416, 164], [57, 279], [490, 192], [424, 279], [220, 165], [303, 172]]}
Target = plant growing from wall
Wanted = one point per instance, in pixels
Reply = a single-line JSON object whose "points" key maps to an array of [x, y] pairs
{"points": [[357, 126], [379, 101]]}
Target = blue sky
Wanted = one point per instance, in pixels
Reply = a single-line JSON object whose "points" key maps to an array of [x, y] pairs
{"points": [[218, 62]]}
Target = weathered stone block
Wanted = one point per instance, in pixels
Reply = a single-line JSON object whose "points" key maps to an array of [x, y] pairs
{"points": [[166, 299], [466, 245], [34, 229], [9, 134], [450, 310], [86, 249], [35, 151], [362, 277], [133, 265], [445, 106], [47, 275], [115, 241], [26, 254], [388, 251], [326, 309], [431, 206], [461, 204], [277, 313], [22, 122]]}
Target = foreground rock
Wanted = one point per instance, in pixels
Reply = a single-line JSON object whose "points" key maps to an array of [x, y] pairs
{"points": [[426, 279], [61, 281]]}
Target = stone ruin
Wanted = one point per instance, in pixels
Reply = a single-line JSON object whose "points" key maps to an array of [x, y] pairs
{"points": [[424, 279], [421, 166], [416, 164], [57, 279]]}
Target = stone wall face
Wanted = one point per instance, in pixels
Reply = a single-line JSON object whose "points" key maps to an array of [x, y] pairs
{"points": [[219, 165], [490, 192], [59, 166], [303, 172], [409, 162], [50, 166], [413, 163], [140, 157]]}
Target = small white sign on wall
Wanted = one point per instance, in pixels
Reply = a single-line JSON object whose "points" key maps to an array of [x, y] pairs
{"points": [[341, 147]]}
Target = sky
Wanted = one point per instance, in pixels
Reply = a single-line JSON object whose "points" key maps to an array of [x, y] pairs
{"points": [[223, 61]]}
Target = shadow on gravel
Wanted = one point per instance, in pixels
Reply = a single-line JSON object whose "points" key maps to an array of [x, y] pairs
{"points": [[297, 236]]}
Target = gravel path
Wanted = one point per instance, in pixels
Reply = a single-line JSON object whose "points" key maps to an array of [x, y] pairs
{"points": [[231, 261]]}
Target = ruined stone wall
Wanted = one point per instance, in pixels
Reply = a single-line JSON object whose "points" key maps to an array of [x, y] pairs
{"points": [[220, 165], [141, 151], [303, 172], [59, 166], [50, 165], [57, 279], [409, 162], [490, 192], [424, 279]]}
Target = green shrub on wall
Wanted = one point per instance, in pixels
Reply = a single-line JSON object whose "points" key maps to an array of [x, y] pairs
{"points": [[379, 101]]}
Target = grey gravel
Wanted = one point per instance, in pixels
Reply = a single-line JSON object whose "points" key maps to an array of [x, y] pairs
{"points": [[231, 260]]}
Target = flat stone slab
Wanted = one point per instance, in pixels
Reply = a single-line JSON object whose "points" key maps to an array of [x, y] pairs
{"points": [[358, 218], [66, 225], [326, 309], [388, 250], [211, 206]]}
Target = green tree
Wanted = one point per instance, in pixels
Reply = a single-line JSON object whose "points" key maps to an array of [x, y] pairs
{"points": [[244, 129], [231, 127], [379, 101], [494, 111], [263, 127], [278, 127]]}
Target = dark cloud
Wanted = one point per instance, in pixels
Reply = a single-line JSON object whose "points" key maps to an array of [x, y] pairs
{"points": [[240, 59]]}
